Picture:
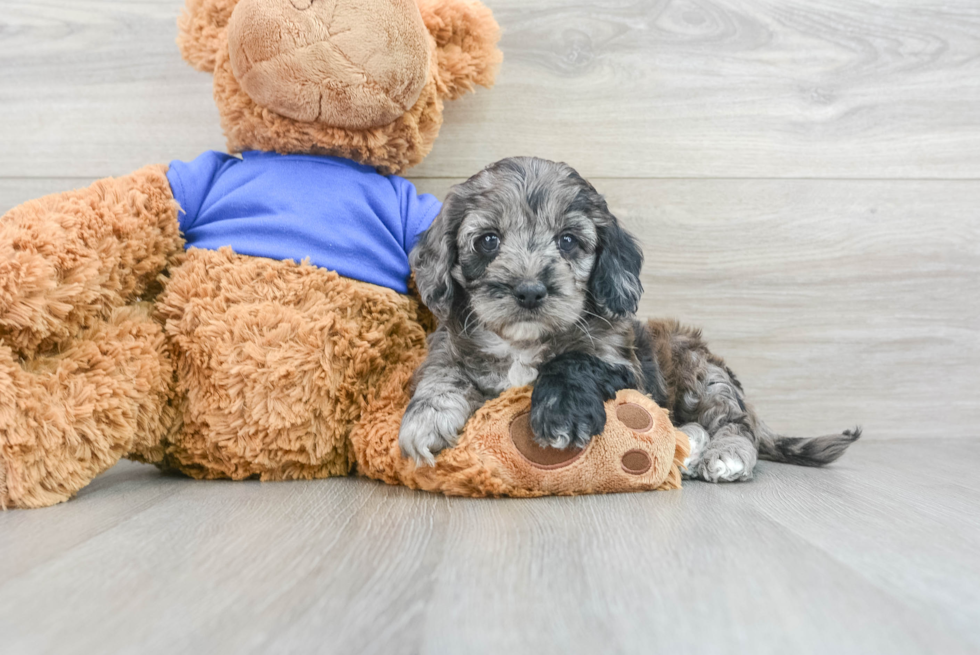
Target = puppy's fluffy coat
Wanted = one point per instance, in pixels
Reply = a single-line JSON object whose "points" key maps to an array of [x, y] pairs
{"points": [[533, 280]]}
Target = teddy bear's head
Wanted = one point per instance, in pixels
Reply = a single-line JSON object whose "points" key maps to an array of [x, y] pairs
{"points": [[363, 79]]}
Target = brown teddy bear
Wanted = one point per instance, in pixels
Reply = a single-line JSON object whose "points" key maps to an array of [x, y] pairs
{"points": [[162, 316]]}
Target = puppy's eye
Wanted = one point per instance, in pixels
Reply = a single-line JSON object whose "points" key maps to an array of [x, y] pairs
{"points": [[487, 243], [567, 243]]}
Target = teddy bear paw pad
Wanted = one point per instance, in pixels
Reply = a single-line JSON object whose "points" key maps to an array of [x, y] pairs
{"points": [[635, 417], [543, 458], [636, 462]]}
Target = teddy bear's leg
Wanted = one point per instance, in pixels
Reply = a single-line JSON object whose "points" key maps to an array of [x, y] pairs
{"points": [[69, 415], [277, 362], [81, 369]]}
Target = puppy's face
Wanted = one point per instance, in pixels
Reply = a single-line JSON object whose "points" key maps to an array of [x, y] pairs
{"points": [[527, 247], [525, 254]]}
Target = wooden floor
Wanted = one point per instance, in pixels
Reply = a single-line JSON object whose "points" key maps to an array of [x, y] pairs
{"points": [[804, 176], [877, 554]]}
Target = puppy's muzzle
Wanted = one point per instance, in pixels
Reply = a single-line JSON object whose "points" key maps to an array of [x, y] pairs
{"points": [[530, 295]]}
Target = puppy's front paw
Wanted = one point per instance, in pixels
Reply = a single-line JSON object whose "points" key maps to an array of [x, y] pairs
{"points": [[426, 431], [562, 418]]}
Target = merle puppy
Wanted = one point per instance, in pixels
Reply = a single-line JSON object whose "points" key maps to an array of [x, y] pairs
{"points": [[533, 280]]}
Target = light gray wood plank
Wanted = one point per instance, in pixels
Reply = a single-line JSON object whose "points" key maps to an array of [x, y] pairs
{"points": [[901, 514], [794, 561], [695, 572], [97, 88], [221, 566], [30, 538], [721, 88]]}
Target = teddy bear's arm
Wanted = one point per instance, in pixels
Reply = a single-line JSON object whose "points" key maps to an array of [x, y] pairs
{"points": [[68, 260]]}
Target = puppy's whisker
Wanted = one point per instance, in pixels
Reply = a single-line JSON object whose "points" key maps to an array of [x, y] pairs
{"points": [[601, 318], [466, 321], [581, 323]]}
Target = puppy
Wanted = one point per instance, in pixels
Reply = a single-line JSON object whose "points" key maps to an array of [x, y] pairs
{"points": [[533, 280]]}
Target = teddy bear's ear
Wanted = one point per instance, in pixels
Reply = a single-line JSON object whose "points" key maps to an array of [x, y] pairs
{"points": [[466, 36], [203, 30]]}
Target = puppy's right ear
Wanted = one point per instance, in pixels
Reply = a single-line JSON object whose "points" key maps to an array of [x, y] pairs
{"points": [[203, 31], [615, 283], [432, 260]]}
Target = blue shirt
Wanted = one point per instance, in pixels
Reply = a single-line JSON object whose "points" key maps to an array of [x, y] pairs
{"points": [[339, 214]]}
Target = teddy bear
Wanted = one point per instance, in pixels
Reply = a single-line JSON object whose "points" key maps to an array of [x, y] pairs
{"points": [[251, 315]]}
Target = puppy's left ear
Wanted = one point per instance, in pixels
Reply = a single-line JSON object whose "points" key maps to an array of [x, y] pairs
{"points": [[615, 282]]}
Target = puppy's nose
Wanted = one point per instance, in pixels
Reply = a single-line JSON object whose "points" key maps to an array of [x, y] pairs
{"points": [[530, 294]]}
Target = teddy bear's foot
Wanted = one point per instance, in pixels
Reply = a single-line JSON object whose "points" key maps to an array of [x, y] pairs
{"points": [[497, 454], [67, 416]]}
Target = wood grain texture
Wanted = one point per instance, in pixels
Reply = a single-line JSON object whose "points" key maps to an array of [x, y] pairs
{"points": [[875, 554], [664, 88]]}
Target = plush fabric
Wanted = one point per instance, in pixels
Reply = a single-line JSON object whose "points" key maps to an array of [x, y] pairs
{"points": [[352, 65], [462, 53], [68, 260], [85, 372], [334, 212], [276, 362], [488, 461], [116, 342]]}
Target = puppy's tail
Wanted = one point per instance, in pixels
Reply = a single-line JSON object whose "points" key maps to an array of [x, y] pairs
{"points": [[812, 451]]}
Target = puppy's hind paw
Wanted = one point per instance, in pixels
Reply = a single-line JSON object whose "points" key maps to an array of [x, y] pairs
{"points": [[698, 438], [722, 466]]}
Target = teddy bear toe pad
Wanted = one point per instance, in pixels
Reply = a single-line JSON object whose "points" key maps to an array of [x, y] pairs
{"points": [[635, 417], [538, 456], [635, 452], [636, 462]]}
